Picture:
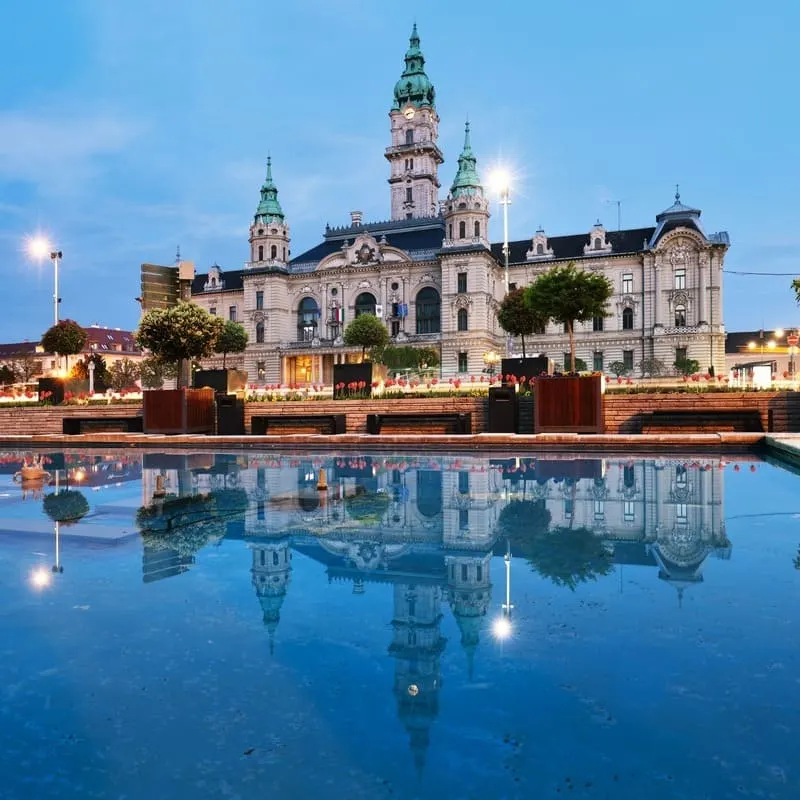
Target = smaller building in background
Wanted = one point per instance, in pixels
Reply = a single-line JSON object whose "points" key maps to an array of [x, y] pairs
{"points": [[761, 357], [29, 360]]}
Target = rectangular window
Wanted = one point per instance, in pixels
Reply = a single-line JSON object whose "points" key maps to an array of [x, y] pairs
{"points": [[512, 287], [479, 572], [409, 196], [259, 301], [627, 359], [463, 482], [566, 328], [261, 370], [260, 509], [462, 362], [599, 509], [627, 283], [628, 511], [212, 311], [597, 323], [569, 507], [567, 361], [680, 278], [395, 328], [232, 313], [681, 513], [462, 282], [680, 354], [464, 572], [463, 521], [261, 478], [597, 361]]}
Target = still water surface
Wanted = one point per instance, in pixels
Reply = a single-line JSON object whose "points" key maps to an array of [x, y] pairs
{"points": [[452, 627]]}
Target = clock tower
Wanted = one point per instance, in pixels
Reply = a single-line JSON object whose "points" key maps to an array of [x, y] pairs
{"points": [[414, 156]]}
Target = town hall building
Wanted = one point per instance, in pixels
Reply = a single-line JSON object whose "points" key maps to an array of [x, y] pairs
{"points": [[433, 275]]}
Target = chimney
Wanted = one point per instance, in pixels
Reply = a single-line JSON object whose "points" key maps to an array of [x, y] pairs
{"points": [[355, 218]]}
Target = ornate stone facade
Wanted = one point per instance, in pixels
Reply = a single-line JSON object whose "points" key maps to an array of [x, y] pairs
{"points": [[433, 276]]}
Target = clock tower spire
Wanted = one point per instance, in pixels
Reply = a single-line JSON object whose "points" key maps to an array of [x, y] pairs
{"points": [[413, 155]]}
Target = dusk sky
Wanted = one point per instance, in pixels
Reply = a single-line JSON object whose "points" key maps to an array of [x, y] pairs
{"points": [[128, 128]]}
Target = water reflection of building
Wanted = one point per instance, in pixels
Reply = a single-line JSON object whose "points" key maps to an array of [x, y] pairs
{"points": [[429, 528]]}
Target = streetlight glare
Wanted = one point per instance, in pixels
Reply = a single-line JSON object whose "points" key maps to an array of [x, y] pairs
{"points": [[41, 578], [500, 180], [779, 333], [751, 345], [38, 247], [771, 344], [502, 628]]}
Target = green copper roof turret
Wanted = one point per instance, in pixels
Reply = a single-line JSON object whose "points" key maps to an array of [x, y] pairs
{"points": [[414, 87], [467, 180], [269, 209]]}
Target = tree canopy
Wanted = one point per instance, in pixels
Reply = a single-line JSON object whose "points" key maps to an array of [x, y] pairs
{"points": [[568, 295], [366, 331], [517, 318], [184, 331], [687, 366], [407, 357], [123, 374], [67, 338], [233, 339]]}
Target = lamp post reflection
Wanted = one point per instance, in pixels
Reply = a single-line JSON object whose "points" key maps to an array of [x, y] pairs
{"points": [[502, 628]]}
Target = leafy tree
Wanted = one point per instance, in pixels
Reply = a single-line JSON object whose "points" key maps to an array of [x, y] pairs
{"points": [[153, 372], [7, 374], [406, 357], [580, 365], [366, 330], [66, 506], [618, 368], [516, 317], [27, 366], [123, 374], [67, 338], [654, 367], [178, 333], [233, 339], [569, 556], [687, 366], [566, 295], [796, 287]]}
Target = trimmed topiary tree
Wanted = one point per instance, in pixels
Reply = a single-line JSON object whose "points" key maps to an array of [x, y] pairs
{"points": [[366, 331], [67, 338], [517, 318], [233, 339], [177, 334]]}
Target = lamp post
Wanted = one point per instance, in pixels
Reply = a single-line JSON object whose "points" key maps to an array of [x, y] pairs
{"points": [[501, 183], [502, 627], [490, 359], [39, 248], [90, 367]]}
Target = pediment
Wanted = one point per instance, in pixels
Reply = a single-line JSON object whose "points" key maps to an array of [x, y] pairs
{"points": [[364, 251]]}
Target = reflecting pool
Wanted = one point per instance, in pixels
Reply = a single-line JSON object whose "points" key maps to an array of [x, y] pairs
{"points": [[248, 626]]}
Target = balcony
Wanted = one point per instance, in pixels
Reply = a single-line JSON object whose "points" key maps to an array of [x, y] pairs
{"points": [[269, 263], [681, 329]]}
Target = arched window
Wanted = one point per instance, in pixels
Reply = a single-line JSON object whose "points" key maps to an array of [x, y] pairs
{"points": [[429, 309], [477, 229], [307, 316], [462, 319], [213, 281], [410, 136], [450, 231], [259, 333], [261, 252], [598, 243], [627, 319], [429, 492], [680, 316], [273, 251], [628, 477], [462, 230], [540, 249], [365, 304], [284, 254]]}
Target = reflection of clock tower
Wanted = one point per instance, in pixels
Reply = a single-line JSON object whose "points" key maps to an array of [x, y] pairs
{"points": [[414, 157]]}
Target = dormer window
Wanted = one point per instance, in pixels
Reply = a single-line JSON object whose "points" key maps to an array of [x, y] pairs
{"points": [[598, 242], [539, 247]]}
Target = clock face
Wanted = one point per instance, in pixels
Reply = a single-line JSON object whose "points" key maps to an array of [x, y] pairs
{"points": [[409, 112]]}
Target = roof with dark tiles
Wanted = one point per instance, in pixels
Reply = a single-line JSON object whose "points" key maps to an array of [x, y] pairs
{"points": [[571, 247], [232, 281]]}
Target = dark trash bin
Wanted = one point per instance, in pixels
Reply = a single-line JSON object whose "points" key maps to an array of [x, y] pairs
{"points": [[502, 409], [230, 415]]}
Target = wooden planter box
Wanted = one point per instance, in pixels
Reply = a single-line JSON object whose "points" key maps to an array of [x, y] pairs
{"points": [[172, 411], [568, 404]]}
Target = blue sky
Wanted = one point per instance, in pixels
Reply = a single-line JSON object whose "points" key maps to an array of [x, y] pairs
{"points": [[129, 128]]}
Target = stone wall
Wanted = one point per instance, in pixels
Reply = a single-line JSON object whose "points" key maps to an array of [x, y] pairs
{"points": [[22, 421], [780, 411]]}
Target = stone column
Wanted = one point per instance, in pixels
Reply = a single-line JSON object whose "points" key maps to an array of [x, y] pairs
{"points": [[702, 270], [657, 293]]}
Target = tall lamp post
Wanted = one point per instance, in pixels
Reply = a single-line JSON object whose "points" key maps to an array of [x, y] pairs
{"points": [[39, 248], [500, 182]]}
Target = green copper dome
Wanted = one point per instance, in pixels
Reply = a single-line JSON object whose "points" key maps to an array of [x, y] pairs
{"points": [[414, 87], [467, 180], [269, 209]]}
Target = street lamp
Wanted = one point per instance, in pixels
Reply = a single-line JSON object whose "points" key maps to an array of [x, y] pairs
{"points": [[490, 359], [38, 249], [500, 182]]}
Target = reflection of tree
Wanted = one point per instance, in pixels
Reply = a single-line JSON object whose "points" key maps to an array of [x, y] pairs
{"points": [[187, 524], [567, 556], [796, 561], [66, 507], [366, 507]]}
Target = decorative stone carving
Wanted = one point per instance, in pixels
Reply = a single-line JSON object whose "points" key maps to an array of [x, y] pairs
{"points": [[539, 248], [678, 254], [598, 244]]}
